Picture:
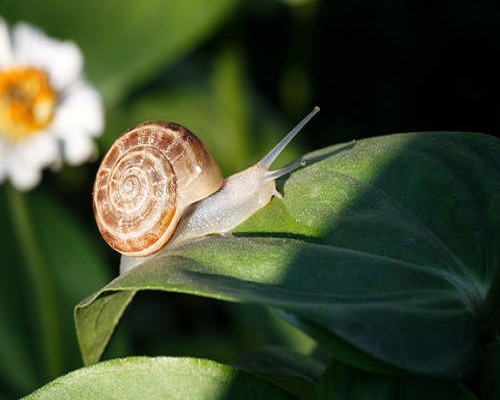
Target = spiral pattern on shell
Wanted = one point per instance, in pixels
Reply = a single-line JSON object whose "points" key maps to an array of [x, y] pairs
{"points": [[145, 182]]}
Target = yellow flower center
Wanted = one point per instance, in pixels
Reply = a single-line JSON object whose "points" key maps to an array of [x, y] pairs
{"points": [[27, 102]]}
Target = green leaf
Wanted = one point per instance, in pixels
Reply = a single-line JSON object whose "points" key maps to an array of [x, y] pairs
{"points": [[125, 43], [159, 378], [290, 370], [342, 349], [100, 322], [341, 382], [389, 244]]}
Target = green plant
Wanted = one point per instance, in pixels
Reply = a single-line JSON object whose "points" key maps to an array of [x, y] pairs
{"points": [[383, 250]]}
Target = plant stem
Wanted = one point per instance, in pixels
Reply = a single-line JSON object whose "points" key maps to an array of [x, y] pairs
{"points": [[44, 301]]}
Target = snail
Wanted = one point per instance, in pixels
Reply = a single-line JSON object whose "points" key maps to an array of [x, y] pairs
{"points": [[158, 186]]}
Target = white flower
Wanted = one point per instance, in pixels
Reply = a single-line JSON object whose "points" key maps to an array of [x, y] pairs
{"points": [[48, 112]]}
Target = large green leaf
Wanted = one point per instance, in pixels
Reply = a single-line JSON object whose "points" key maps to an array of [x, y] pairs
{"points": [[389, 244], [124, 43], [341, 382], [290, 370], [159, 378]]}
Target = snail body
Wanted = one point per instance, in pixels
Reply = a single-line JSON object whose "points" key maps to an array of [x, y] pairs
{"points": [[215, 206]]}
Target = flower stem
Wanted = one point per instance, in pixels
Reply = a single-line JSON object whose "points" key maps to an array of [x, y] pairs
{"points": [[44, 301]]}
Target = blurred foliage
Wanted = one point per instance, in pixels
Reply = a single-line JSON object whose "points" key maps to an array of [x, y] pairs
{"points": [[239, 74]]}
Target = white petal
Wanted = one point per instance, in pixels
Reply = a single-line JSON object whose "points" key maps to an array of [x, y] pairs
{"points": [[22, 175], [40, 151], [25, 178], [63, 61], [81, 109], [79, 148], [24, 161], [79, 118], [6, 56]]}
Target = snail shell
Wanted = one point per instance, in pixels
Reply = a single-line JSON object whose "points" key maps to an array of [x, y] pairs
{"points": [[150, 175]]}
